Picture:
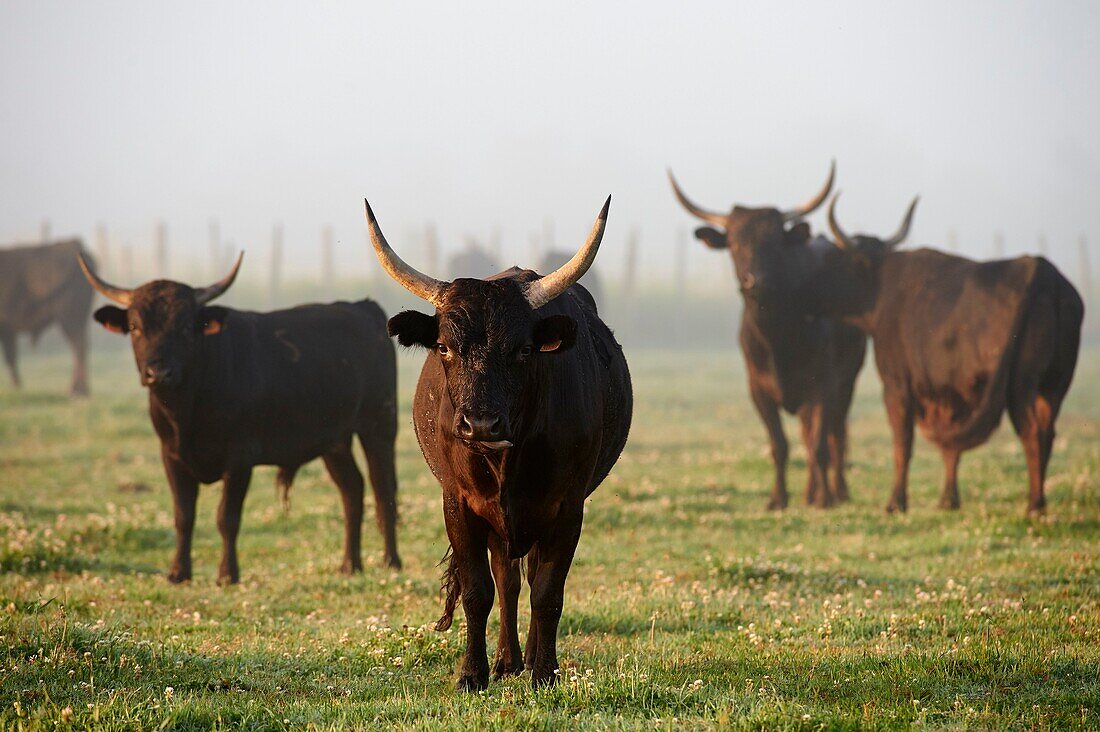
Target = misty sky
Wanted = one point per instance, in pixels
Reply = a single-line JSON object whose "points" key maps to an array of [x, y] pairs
{"points": [[476, 115]]}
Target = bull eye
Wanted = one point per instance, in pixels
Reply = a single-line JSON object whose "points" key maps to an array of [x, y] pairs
{"points": [[525, 351], [442, 348], [135, 332]]}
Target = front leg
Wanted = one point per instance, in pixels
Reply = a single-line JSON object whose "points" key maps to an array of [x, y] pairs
{"points": [[509, 658], [900, 412], [817, 455], [235, 486], [769, 414], [468, 534], [185, 492], [555, 556]]}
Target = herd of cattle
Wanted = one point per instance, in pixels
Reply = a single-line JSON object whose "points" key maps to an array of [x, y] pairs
{"points": [[524, 401]]}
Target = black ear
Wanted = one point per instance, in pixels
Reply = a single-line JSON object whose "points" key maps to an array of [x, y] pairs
{"points": [[212, 319], [414, 329], [799, 233], [555, 334], [712, 237], [113, 319]]}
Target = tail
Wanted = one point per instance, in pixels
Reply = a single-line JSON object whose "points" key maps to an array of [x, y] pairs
{"points": [[451, 588], [283, 481]]}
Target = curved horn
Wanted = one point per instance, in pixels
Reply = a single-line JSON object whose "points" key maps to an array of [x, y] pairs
{"points": [[417, 283], [710, 217], [204, 295], [109, 291], [810, 206], [843, 241], [545, 289], [903, 230]]}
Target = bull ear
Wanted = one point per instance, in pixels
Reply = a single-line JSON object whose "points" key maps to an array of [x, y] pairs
{"points": [[799, 234], [414, 329], [712, 237], [212, 319], [555, 334], [113, 319]]}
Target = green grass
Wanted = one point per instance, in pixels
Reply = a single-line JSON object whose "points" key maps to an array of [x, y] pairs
{"points": [[688, 604]]}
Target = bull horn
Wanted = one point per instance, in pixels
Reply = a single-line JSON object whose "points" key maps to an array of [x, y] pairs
{"points": [[843, 241], [810, 206], [545, 289], [109, 291], [903, 230], [418, 283], [204, 295], [710, 217]]}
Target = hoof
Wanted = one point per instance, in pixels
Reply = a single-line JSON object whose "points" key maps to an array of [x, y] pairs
{"points": [[777, 503], [503, 668], [350, 567], [896, 506], [949, 504], [469, 683], [1037, 511], [178, 576], [392, 561], [225, 580], [543, 679]]}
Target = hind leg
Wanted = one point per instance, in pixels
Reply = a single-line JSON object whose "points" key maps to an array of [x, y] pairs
{"points": [[950, 498], [77, 336], [1034, 423], [817, 455], [838, 454], [341, 467], [383, 481], [11, 355]]}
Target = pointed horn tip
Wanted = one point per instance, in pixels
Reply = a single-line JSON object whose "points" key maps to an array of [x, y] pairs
{"points": [[606, 206], [370, 211]]}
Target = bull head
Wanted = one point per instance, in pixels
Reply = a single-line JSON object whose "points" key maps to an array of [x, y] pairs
{"points": [[863, 245], [487, 334], [756, 239], [165, 321]]}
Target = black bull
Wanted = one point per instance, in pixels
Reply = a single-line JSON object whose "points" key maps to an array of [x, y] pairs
{"points": [[229, 390], [795, 363], [522, 407], [41, 285]]}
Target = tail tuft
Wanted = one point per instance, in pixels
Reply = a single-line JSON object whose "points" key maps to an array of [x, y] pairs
{"points": [[451, 587], [283, 481]]}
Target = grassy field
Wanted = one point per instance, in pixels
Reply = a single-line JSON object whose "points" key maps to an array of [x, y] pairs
{"points": [[688, 605]]}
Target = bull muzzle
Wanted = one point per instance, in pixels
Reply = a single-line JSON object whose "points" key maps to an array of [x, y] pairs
{"points": [[483, 430]]}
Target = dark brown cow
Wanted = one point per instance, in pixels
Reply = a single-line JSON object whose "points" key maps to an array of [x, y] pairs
{"points": [[41, 285], [229, 390], [522, 408], [804, 365], [957, 342]]}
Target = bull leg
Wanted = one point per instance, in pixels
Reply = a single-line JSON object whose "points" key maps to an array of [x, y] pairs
{"points": [[468, 535], [838, 456], [1034, 423], [817, 455], [234, 488], [900, 414], [185, 492], [530, 649], [344, 472], [769, 413], [950, 498], [11, 355], [509, 658], [77, 336], [383, 481], [548, 596]]}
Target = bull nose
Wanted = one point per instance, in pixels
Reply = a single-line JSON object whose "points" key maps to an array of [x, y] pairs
{"points": [[159, 375], [481, 427]]}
